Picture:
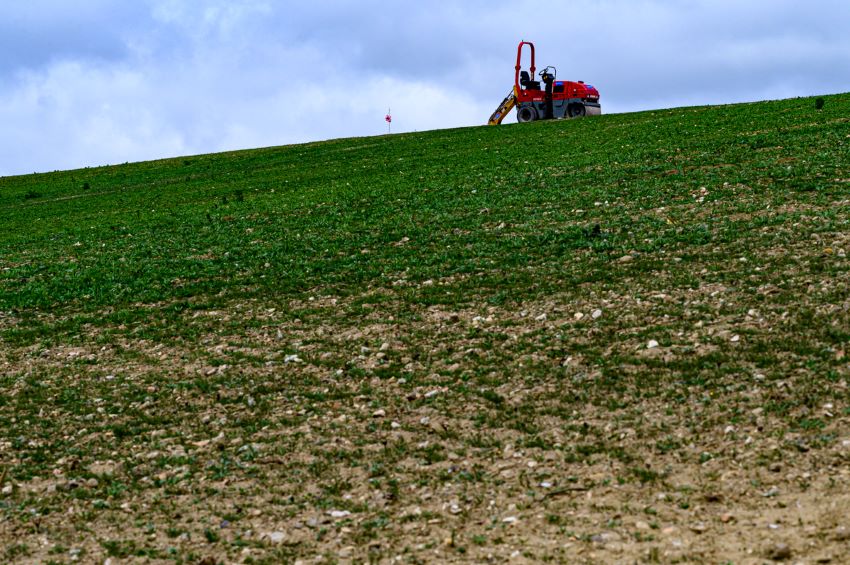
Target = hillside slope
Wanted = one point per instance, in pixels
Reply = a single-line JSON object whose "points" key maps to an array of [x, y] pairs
{"points": [[611, 339]]}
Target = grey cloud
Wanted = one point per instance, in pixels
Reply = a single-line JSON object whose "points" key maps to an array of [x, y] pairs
{"points": [[38, 32]]}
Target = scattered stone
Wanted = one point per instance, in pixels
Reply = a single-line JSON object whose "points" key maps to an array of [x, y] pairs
{"points": [[395, 425], [699, 528], [779, 552], [292, 359], [605, 538], [510, 520], [651, 344], [578, 315], [772, 492], [596, 314], [380, 413], [641, 525], [726, 518], [339, 513], [275, 537], [437, 427], [625, 259], [455, 509], [541, 317], [775, 467], [7, 490], [735, 339], [841, 533]]}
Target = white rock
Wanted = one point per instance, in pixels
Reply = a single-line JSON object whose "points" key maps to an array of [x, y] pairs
{"points": [[379, 413], [292, 359], [510, 520], [541, 318], [735, 339], [596, 314], [651, 344], [275, 537], [339, 513]]}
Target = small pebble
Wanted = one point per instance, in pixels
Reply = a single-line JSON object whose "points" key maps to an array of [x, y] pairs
{"points": [[779, 552]]}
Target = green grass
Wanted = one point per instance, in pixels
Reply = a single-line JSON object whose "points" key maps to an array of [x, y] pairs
{"points": [[226, 327]]}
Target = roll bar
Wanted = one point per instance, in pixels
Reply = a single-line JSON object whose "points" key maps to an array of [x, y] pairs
{"points": [[519, 62]]}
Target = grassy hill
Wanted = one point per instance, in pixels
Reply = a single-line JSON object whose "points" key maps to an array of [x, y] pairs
{"points": [[611, 339]]}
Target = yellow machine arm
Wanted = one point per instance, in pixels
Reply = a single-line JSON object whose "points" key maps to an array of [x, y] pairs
{"points": [[504, 108]]}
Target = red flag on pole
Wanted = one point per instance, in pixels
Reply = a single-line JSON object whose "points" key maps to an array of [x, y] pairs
{"points": [[389, 119]]}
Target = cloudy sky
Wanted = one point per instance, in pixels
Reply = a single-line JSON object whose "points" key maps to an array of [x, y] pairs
{"points": [[95, 82]]}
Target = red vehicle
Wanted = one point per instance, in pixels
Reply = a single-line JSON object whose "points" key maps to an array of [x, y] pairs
{"points": [[547, 98]]}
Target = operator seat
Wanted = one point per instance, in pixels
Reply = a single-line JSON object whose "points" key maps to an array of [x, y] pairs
{"points": [[526, 82]]}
